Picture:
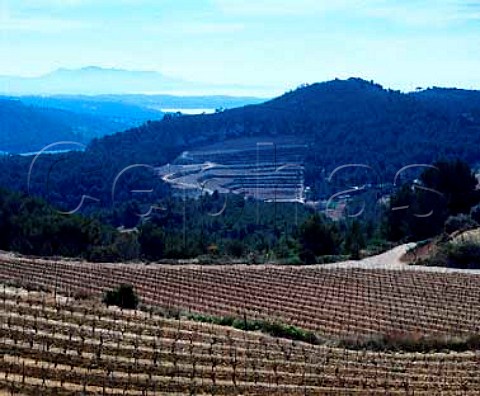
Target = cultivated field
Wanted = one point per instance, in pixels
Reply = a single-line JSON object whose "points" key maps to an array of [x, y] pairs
{"points": [[54, 344]]}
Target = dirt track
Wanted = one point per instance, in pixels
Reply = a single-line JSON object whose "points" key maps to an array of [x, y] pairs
{"points": [[389, 260]]}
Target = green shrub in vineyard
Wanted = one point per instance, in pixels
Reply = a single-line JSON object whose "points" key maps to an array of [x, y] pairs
{"points": [[124, 297]]}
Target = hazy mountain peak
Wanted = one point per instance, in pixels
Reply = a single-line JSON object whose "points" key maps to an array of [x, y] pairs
{"points": [[102, 70], [97, 80]]}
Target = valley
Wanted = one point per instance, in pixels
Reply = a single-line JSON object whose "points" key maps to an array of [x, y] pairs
{"points": [[239, 198]]}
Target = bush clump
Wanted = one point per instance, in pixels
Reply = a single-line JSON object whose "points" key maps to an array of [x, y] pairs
{"points": [[123, 296], [465, 255], [274, 329], [460, 255], [413, 342], [475, 213], [460, 222]]}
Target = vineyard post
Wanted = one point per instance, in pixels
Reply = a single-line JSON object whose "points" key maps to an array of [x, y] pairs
{"points": [[44, 375], [136, 351], [234, 368], [304, 374], [56, 281], [104, 384], [194, 363]]}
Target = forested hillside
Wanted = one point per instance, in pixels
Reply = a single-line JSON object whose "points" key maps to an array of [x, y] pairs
{"points": [[120, 114], [454, 102], [31, 226], [26, 128], [343, 122]]}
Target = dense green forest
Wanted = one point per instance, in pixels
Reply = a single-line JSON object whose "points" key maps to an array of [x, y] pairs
{"points": [[423, 210], [31, 226], [218, 227], [205, 228], [342, 122]]}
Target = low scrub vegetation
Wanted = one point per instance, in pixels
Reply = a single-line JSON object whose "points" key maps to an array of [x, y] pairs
{"points": [[461, 222], [124, 297], [274, 329], [460, 255], [414, 342]]}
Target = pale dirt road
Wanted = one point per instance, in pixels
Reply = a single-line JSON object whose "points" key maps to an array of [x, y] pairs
{"points": [[389, 260]]}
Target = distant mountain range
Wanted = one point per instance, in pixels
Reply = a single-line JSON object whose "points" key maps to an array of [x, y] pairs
{"points": [[94, 80]]}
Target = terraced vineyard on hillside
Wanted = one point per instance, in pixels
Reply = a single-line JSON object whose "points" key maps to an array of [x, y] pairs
{"points": [[268, 169], [54, 343], [63, 347], [333, 302]]}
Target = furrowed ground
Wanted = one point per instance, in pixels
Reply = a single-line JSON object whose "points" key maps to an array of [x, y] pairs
{"points": [[54, 344]]}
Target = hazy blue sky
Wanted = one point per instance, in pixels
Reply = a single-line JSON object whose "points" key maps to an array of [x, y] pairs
{"points": [[400, 44]]}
